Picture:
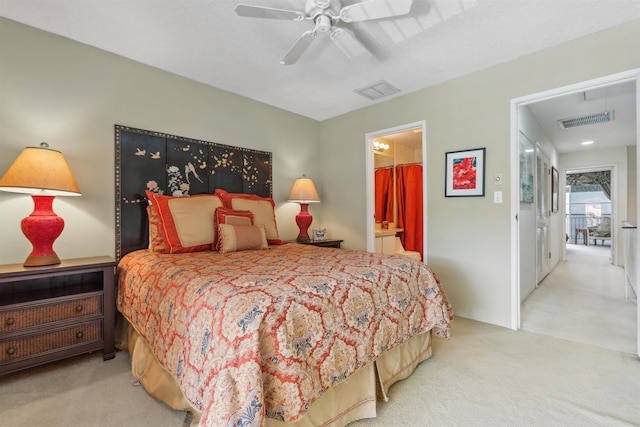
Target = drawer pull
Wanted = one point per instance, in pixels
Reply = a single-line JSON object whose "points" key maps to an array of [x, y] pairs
{"points": [[10, 321], [11, 350], [79, 308], [79, 335]]}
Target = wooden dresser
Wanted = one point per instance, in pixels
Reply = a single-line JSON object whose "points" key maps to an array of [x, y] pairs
{"points": [[53, 312]]}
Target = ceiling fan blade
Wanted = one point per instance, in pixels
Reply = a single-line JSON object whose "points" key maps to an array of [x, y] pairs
{"points": [[268, 12], [348, 44], [299, 48], [375, 9]]}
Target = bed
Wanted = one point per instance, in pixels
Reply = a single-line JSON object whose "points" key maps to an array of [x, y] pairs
{"points": [[226, 321]]}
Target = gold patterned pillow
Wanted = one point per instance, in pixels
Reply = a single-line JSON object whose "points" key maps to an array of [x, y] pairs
{"points": [[229, 216], [156, 243], [234, 238]]}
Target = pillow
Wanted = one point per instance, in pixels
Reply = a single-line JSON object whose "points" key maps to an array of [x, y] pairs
{"points": [[186, 223], [229, 216], [242, 237], [156, 243], [261, 207]]}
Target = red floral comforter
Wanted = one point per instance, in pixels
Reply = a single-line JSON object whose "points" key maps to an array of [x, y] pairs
{"points": [[256, 334]]}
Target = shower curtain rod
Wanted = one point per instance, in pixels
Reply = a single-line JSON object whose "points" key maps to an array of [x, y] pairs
{"points": [[409, 164]]}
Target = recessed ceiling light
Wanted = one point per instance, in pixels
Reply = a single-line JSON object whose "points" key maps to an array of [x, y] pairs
{"points": [[587, 142]]}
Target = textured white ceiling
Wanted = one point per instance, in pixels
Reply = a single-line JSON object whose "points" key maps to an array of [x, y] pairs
{"points": [[206, 41]]}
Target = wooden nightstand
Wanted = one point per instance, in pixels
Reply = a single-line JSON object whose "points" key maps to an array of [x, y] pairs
{"points": [[321, 243], [54, 312]]}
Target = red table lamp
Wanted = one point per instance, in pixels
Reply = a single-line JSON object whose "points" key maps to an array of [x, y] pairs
{"points": [[304, 192], [44, 174]]}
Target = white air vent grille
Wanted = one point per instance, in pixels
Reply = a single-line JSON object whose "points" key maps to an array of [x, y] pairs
{"points": [[377, 90], [607, 116]]}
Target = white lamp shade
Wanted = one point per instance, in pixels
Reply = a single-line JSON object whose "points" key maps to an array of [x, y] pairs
{"points": [[304, 191]]}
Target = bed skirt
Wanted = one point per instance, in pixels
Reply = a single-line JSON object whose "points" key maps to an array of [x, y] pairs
{"points": [[350, 400]]}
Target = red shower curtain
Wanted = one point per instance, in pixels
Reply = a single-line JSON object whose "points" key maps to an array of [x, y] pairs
{"points": [[409, 186], [384, 194]]}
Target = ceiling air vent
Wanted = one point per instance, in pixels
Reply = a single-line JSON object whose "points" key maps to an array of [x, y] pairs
{"points": [[607, 116], [377, 90]]}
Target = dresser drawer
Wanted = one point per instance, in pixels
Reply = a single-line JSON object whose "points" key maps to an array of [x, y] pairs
{"points": [[33, 314], [32, 345]]}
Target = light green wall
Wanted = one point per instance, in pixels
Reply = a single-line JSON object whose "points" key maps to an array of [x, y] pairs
{"points": [[71, 95], [468, 238]]}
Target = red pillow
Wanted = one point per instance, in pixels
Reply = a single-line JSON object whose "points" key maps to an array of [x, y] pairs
{"points": [[261, 207], [186, 223], [229, 216]]}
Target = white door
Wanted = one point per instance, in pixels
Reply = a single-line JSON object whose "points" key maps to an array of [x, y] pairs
{"points": [[542, 216]]}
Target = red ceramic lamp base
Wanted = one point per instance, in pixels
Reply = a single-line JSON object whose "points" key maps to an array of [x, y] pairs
{"points": [[42, 228], [304, 219]]}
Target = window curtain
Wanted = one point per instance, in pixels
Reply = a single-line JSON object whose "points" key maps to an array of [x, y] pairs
{"points": [[384, 194], [588, 178], [409, 186]]}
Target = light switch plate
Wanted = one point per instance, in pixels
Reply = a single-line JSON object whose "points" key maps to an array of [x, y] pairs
{"points": [[497, 197]]}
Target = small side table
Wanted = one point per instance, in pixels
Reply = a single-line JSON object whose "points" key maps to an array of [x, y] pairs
{"points": [[54, 312], [585, 235], [321, 243]]}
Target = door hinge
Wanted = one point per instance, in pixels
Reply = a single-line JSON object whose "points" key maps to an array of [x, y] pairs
{"points": [[549, 255]]}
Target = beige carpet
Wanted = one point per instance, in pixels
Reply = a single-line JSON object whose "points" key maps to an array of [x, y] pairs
{"points": [[484, 376], [583, 299]]}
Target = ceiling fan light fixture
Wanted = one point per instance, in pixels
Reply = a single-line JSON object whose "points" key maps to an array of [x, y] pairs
{"points": [[323, 23]]}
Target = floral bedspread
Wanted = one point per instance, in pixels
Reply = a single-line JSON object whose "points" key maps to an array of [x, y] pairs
{"points": [[256, 334]]}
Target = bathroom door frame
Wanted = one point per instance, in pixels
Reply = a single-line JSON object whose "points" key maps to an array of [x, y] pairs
{"points": [[370, 189]]}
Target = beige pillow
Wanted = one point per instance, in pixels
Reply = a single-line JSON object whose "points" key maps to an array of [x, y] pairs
{"points": [[232, 238], [186, 223], [262, 214]]}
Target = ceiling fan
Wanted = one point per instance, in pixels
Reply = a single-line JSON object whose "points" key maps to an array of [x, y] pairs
{"points": [[325, 14]]}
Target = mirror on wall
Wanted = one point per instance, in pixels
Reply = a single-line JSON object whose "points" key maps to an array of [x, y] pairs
{"points": [[385, 196], [398, 192]]}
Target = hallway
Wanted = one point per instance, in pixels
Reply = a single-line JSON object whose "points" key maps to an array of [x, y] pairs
{"points": [[583, 299]]}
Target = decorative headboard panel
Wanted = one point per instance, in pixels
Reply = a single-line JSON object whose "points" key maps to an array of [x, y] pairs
{"points": [[175, 165]]}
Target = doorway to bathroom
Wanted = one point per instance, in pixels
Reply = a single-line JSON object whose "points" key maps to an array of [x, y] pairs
{"points": [[396, 185]]}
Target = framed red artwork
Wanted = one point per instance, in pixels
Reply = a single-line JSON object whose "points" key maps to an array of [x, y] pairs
{"points": [[465, 173]]}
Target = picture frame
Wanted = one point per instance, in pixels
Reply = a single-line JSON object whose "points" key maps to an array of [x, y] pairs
{"points": [[319, 234], [465, 173], [555, 186], [527, 154]]}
